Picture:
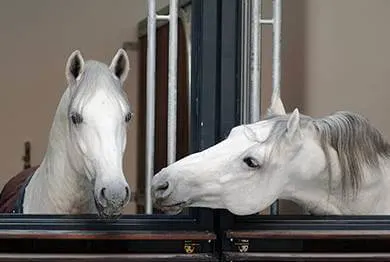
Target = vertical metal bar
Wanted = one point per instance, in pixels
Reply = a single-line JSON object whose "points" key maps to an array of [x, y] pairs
{"points": [[150, 103], [172, 81], [245, 61], [255, 61], [186, 19], [276, 64], [276, 59], [172, 92]]}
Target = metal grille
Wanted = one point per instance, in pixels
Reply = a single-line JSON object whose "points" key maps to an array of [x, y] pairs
{"points": [[172, 17], [250, 75]]}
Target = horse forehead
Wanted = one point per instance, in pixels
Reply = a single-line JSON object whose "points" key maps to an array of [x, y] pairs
{"points": [[261, 130], [103, 103], [244, 136]]}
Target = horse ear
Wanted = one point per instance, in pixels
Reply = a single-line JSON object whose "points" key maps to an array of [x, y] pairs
{"points": [[74, 67], [120, 65], [249, 133], [276, 107], [293, 127]]}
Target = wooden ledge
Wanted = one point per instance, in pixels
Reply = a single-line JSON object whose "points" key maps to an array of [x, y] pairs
{"points": [[310, 234], [105, 257], [114, 235], [233, 256]]}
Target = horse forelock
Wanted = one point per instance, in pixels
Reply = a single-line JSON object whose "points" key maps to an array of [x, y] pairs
{"points": [[97, 77]]}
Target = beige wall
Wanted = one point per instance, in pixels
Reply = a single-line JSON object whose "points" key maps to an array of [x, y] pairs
{"points": [[347, 58], [335, 57], [36, 37]]}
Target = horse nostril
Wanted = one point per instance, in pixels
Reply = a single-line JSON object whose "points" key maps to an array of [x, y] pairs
{"points": [[102, 198], [103, 193], [163, 186], [127, 193]]}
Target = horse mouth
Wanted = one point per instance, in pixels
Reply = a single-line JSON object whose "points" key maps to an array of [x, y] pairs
{"points": [[173, 209], [174, 205]]}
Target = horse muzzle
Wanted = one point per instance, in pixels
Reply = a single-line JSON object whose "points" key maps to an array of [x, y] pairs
{"points": [[111, 201]]}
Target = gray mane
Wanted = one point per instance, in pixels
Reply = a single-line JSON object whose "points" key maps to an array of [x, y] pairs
{"points": [[355, 140]]}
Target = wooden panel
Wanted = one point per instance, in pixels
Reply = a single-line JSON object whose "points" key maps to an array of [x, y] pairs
{"points": [[311, 234], [106, 257], [310, 245], [162, 97], [106, 243], [232, 256], [95, 235], [141, 111]]}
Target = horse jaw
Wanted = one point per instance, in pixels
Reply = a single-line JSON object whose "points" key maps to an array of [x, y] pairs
{"points": [[315, 193]]}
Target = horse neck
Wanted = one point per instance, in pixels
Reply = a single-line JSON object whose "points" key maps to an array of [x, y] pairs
{"points": [[317, 196], [55, 186]]}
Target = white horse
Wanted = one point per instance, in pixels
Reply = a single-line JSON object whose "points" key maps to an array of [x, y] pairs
{"points": [[81, 171], [335, 165]]}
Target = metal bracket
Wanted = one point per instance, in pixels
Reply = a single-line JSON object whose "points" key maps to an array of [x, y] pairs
{"points": [[241, 244], [190, 247]]}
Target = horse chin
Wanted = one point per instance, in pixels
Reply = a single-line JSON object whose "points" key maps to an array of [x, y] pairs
{"points": [[110, 216], [172, 210], [108, 213]]}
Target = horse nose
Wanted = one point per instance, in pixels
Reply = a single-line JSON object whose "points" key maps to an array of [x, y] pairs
{"points": [[164, 186], [162, 190], [115, 196]]}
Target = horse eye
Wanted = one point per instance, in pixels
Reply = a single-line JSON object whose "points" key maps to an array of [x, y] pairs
{"points": [[251, 162], [76, 118], [128, 117]]}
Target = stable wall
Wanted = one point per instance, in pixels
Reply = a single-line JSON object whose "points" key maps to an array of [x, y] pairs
{"points": [[335, 57]]}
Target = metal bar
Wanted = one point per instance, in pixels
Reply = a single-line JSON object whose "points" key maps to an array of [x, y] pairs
{"points": [[172, 81], [266, 21], [255, 61], [245, 61], [186, 19], [162, 17], [276, 65], [172, 92], [276, 60], [150, 104]]}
